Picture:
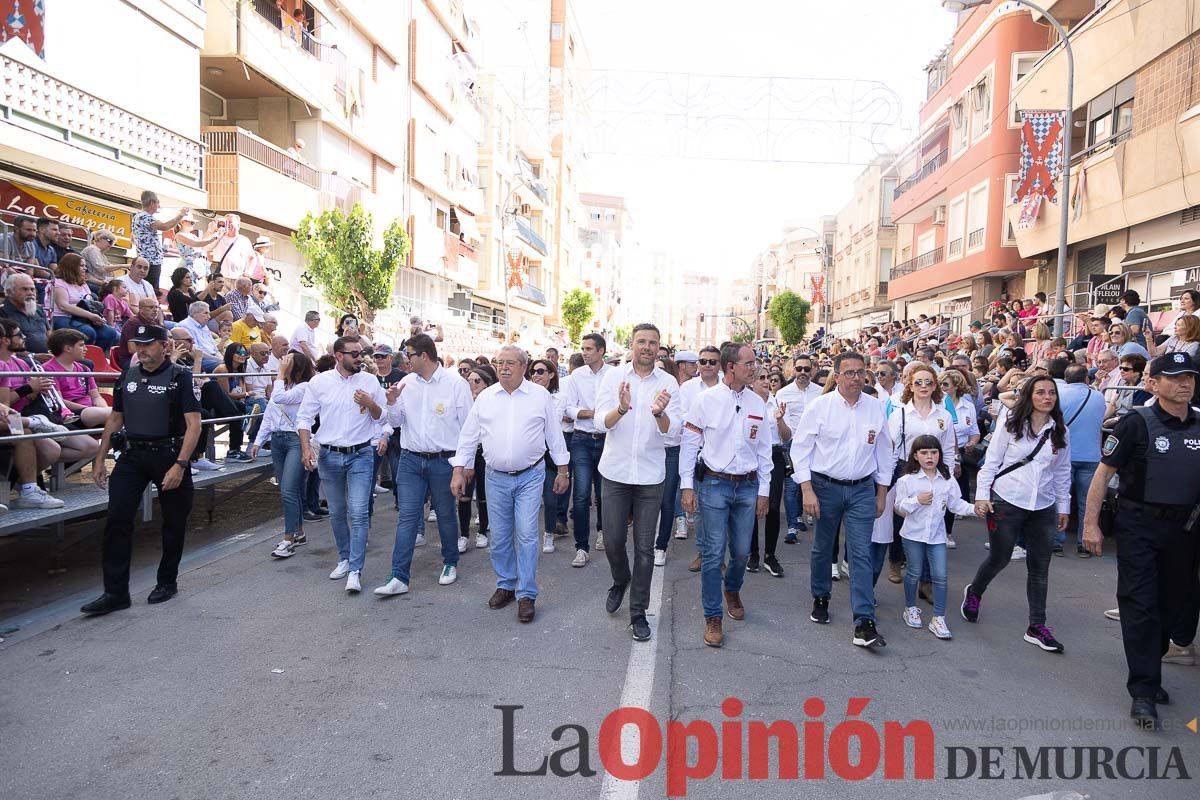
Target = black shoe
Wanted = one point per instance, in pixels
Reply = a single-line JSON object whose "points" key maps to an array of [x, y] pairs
{"points": [[1058, 551], [1144, 713], [752, 564], [1082, 551], [1161, 698], [615, 595], [820, 612], [865, 635], [162, 593], [771, 564], [311, 517], [640, 629], [105, 604]]}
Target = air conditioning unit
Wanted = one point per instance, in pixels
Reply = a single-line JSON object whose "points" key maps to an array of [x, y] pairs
{"points": [[939, 215]]}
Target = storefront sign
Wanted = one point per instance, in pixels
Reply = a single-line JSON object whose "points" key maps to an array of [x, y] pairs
{"points": [[1109, 294], [16, 198]]}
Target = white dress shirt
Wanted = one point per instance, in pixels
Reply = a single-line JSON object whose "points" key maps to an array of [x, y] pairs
{"points": [[795, 400], [731, 426], [580, 394], [202, 338], [928, 523], [430, 413], [968, 420], [560, 400], [690, 390], [906, 424], [282, 410], [635, 448], [138, 290], [896, 393], [515, 429], [259, 377], [306, 335], [1043, 482], [842, 441], [343, 422]]}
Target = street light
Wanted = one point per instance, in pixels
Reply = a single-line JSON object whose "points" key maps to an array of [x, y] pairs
{"points": [[1068, 125]]}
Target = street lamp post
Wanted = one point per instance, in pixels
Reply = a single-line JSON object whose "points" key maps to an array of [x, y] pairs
{"points": [[1068, 126]]}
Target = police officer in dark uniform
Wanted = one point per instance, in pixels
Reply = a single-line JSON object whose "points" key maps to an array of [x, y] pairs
{"points": [[158, 405], [1156, 452]]}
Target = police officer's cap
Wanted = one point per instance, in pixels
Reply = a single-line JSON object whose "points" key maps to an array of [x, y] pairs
{"points": [[149, 333], [1173, 364]]}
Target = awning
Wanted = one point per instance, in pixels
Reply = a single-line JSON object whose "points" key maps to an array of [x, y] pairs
{"points": [[466, 224], [1177, 256]]}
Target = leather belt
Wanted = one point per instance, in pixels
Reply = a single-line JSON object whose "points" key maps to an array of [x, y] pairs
{"points": [[840, 482], [725, 476], [1156, 511], [589, 434], [518, 472], [428, 456], [354, 448]]}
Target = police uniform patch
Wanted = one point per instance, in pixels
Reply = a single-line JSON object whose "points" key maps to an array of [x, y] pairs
{"points": [[1162, 444], [131, 387], [1110, 445]]}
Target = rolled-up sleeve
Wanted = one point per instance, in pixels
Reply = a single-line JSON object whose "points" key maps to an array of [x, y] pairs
{"points": [[606, 398], [309, 408], [468, 440]]}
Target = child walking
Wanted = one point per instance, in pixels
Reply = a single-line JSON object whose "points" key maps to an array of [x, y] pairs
{"points": [[924, 493]]}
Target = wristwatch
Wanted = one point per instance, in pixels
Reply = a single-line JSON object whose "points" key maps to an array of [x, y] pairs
{"points": [[182, 464]]}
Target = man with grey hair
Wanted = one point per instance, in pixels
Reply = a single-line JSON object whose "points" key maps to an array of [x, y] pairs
{"points": [[21, 306], [241, 299], [304, 337], [203, 342], [516, 421]]}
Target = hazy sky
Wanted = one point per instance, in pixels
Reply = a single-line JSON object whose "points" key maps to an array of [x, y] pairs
{"points": [[684, 91]]}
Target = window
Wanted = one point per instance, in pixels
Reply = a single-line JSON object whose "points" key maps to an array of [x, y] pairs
{"points": [[1110, 116], [885, 264], [980, 98], [556, 30], [1010, 187], [956, 226], [885, 209], [960, 127], [977, 211], [1022, 64], [926, 242]]}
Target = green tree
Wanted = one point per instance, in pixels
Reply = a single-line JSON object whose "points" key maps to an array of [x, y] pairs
{"points": [[623, 334], [789, 312], [341, 258], [743, 338], [576, 310]]}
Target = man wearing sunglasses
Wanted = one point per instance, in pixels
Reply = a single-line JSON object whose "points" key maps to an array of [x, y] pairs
{"points": [[350, 403], [887, 382], [709, 368], [587, 443], [792, 400]]}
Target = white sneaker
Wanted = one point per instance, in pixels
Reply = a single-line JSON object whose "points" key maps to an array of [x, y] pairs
{"points": [[462, 544], [987, 545], [39, 423], [1114, 614], [938, 628], [912, 617], [837, 576], [599, 541], [680, 528], [432, 515], [660, 558], [204, 465], [354, 582], [481, 541], [38, 498], [284, 549], [340, 571], [420, 542], [950, 545], [581, 559], [3, 509], [380, 490], [1018, 554], [548, 543], [449, 575], [393, 587]]}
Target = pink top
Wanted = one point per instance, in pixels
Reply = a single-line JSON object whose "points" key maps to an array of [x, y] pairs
{"points": [[74, 295], [74, 390], [15, 364], [122, 313]]}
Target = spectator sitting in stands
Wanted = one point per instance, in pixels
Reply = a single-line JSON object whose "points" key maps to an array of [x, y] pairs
{"points": [[241, 298], [182, 294], [1122, 401], [224, 335], [116, 305], [218, 306], [266, 301], [234, 388], [99, 270], [73, 305], [196, 323], [269, 325], [248, 330], [62, 243], [139, 287], [149, 312], [21, 306], [80, 395], [18, 245], [257, 387], [43, 243]]}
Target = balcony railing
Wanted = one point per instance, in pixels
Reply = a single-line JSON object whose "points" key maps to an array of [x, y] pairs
{"points": [[337, 192], [975, 238], [931, 166], [955, 247], [532, 293], [274, 15], [527, 233], [923, 261], [540, 191], [238, 141]]}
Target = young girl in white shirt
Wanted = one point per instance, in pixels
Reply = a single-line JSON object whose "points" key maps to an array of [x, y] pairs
{"points": [[924, 493]]}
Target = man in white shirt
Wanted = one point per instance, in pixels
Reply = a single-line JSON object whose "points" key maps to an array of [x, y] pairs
{"points": [[842, 457], [304, 337], [687, 364], [350, 403], [710, 375], [279, 349], [730, 420], [430, 406], [638, 407], [792, 400], [887, 382], [587, 444], [135, 281], [516, 421], [257, 382], [203, 342]]}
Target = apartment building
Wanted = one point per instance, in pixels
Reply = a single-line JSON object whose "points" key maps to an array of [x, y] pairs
{"points": [[610, 260], [864, 250], [955, 250], [1136, 145], [705, 317], [667, 307]]}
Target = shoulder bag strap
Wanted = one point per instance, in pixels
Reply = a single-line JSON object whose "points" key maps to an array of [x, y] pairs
{"points": [[1026, 460], [1082, 406]]}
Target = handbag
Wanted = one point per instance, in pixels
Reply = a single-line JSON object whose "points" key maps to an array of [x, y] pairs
{"points": [[90, 304]]}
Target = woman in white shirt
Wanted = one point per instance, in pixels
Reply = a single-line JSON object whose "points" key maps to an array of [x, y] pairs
{"points": [[544, 373], [279, 423], [965, 417], [478, 379], [1025, 489], [1184, 339]]}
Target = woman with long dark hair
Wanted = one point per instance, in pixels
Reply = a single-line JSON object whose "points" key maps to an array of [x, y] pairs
{"points": [[478, 379], [234, 387], [1024, 487], [544, 373]]}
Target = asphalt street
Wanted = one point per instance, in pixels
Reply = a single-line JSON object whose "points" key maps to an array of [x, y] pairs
{"points": [[264, 679]]}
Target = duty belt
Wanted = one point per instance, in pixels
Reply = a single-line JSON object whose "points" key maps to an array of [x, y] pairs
{"points": [[1151, 510], [153, 444]]}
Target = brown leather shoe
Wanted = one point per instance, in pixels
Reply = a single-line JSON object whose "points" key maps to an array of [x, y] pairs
{"points": [[925, 591], [712, 632], [733, 604], [894, 573], [501, 598], [525, 609], [696, 564]]}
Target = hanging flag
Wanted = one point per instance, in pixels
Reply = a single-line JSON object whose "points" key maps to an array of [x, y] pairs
{"points": [[1041, 161], [513, 268], [1079, 195], [818, 284], [25, 21], [1029, 211]]}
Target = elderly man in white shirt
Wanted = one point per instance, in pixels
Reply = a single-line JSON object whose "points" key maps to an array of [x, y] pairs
{"points": [[304, 337], [638, 407], [350, 403], [429, 407], [202, 338], [587, 444], [517, 422], [730, 420], [842, 457], [793, 399]]}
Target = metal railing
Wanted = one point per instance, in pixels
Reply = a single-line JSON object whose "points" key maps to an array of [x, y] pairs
{"points": [[955, 247], [923, 261], [529, 235], [274, 15], [931, 166], [241, 142], [975, 238]]}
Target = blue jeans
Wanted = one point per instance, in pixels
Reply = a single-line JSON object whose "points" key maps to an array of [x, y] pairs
{"points": [[416, 478], [585, 460], [1081, 478], [289, 471], [879, 554], [103, 336], [916, 554], [670, 500], [513, 503], [727, 508], [347, 480], [549, 498], [855, 507], [261, 404], [564, 499], [791, 502]]}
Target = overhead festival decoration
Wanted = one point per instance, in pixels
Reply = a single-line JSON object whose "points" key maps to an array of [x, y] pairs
{"points": [[1041, 163], [25, 20], [818, 286]]}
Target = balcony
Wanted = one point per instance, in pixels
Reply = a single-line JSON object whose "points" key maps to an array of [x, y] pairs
{"points": [[931, 166], [532, 293], [923, 261], [251, 176], [339, 193], [272, 14], [975, 239], [527, 234], [955, 248]]}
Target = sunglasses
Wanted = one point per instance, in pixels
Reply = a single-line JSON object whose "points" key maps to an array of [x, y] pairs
{"points": [[352, 353], [707, 362], [923, 382], [380, 355], [1128, 369], [541, 371], [464, 370], [803, 369], [476, 379]]}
